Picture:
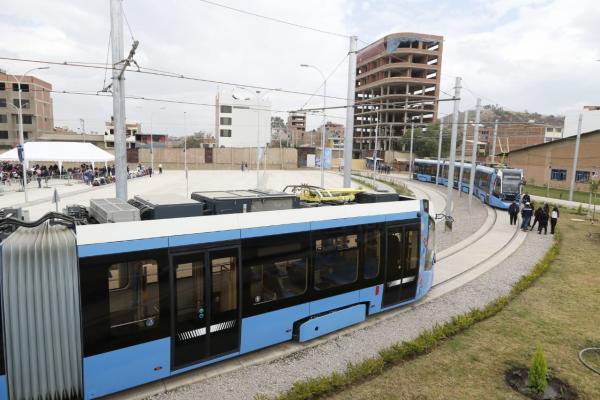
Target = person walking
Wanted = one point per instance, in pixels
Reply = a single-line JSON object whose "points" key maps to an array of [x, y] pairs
{"points": [[543, 221], [513, 212], [526, 198], [537, 215], [554, 219], [526, 213]]}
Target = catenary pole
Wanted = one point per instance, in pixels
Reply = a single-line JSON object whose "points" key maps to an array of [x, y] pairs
{"points": [[450, 192], [462, 153], [187, 190], [439, 157], [474, 151], [410, 157], [375, 151], [575, 157], [323, 131], [118, 90], [494, 142], [349, 132]]}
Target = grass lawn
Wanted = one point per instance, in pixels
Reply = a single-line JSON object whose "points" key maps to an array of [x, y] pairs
{"points": [[561, 311], [582, 197]]}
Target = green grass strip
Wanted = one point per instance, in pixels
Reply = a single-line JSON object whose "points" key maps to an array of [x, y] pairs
{"points": [[318, 387]]}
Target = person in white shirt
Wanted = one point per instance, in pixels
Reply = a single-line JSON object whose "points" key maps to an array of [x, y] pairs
{"points": [[553, 219]]}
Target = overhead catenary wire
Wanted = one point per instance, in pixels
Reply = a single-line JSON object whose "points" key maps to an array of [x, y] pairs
{"points": [[273, 19]]}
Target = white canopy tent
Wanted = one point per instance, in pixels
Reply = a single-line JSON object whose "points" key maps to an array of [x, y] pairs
{"points": [[59, 152]]}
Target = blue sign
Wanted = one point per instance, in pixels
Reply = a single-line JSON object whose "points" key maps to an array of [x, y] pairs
{"points": [[327, 157]]}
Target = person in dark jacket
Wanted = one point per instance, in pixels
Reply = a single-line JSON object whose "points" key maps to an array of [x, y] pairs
{"points": [[526, 213], [526, 199], [537, 217], [554, 219], [513, 212], [543, 221]]}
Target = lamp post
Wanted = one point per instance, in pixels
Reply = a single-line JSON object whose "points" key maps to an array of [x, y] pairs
{"points": [[21, 135], [152, 139], [324, 120]]}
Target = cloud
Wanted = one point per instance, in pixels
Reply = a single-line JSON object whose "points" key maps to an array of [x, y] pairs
{"points": [[536, 55]]}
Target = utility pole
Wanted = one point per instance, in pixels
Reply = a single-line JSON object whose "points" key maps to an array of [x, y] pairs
{"points": [[474, 151], [375, 152], [349, 132], [453, 150], [575, 157], [82, 123], [410, 158], [462, 153], [187, 189], [494, 143], [437, 167], [118, 90]]}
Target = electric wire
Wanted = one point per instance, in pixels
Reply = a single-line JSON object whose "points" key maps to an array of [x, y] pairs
{"points": [[326, 79], [281, 21]]}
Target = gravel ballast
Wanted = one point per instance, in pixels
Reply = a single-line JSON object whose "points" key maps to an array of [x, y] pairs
{"points": [[271, 378]]}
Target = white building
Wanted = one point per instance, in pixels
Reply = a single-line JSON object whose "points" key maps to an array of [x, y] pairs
{"points": [[552, 133], [242, 119], [590, 121]]}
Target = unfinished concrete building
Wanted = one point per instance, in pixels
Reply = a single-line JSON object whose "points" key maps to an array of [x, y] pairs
{"points": [[397, 83]]}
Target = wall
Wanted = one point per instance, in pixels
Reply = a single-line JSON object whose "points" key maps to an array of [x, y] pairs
{"points": [[222, 158], [538, 161], [590, 122]]}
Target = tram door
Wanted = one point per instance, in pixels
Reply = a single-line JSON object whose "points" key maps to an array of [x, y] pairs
{"points": [[205, 305], [402, 264]]}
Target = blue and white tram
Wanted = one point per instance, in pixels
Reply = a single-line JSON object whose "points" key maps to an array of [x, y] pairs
{"points": [[114, 306], [495, 186]]}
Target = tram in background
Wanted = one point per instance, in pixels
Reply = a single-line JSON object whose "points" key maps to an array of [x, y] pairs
{"points": [[91, 310], [496, 186]]}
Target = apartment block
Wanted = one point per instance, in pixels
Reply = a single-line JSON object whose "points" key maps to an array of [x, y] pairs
{"points": [[296, 126], [242, 119], [397, 84], [36, 108]]}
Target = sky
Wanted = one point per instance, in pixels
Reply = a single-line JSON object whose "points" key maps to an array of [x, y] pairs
{"points": [[534, 55]]}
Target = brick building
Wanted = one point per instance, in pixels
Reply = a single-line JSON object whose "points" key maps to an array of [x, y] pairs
{"points": [[37, 109], [397, 83], [296, 128], [553, 161]]}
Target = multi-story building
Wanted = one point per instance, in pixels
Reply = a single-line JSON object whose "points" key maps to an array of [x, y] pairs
{"points": [[397, 84], [590, 120], [132, 130], [553, 133], [37, 108], [242, 120], [296, 126]]}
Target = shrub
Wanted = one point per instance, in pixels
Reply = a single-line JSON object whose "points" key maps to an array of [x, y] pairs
{"points": [[580, 209], [538, 373]]}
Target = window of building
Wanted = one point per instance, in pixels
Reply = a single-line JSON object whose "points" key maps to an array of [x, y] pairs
{"points": [[225, 132], [24, 87], [25, 135], [336, 260], [225, 121], [2, 102], [3, 118], [133, 295], [3, 134], [24, 103], [558, 175], [582, 176], [226, 109], [28, 119], [2, 86]]}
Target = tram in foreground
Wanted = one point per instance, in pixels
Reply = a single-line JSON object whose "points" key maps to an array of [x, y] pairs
{"points": [[496, 186], [91, 310]]}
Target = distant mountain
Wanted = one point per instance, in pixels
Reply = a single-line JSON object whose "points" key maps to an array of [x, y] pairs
{"points": [[490, 112]]}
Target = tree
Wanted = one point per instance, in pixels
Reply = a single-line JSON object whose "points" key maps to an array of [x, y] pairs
{"points": [[538, 373], [277, 122], [425, 142]]}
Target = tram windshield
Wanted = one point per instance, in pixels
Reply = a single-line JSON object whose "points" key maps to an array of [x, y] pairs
{"points": [[511, 182]]}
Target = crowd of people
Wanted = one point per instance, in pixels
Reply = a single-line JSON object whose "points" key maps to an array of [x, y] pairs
{"points": [[540, 215]]}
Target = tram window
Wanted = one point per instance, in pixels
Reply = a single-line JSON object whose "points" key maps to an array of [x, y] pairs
{"points": [[275, 279], [224, 281], [134, 302], [498, 187], [371, 253], [190, 290], [430, 245], [412, 249], [336, 260]]}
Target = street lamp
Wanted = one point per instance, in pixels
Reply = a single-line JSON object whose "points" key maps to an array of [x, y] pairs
{"points": [[152, 139], [324, 120], [21, 135]]}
